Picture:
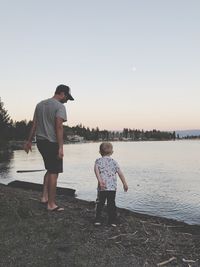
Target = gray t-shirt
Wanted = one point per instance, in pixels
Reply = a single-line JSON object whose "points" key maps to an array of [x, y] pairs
{"points": [[46, 112]]}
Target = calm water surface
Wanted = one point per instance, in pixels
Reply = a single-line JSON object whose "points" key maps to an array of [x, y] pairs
{"points": [[163, 177]]}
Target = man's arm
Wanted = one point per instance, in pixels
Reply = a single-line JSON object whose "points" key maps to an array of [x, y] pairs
{"points": [[28, 143], [59, 135]]}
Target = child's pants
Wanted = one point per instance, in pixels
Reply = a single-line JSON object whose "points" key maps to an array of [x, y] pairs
{"points": [[110, 197]]}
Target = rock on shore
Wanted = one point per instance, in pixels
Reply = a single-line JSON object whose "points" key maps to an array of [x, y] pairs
{"points": [[32, 236]]}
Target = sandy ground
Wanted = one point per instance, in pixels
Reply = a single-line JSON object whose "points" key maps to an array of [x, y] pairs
{"points": [[32, 236]]}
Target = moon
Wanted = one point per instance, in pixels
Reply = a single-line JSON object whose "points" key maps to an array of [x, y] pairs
{"points": [[133, 68]]}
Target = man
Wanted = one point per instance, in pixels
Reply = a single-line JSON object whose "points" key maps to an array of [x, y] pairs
{"points": [[48, 127]]}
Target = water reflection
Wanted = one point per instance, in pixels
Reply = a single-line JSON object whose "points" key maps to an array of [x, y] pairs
{"points": [[5, 159]]}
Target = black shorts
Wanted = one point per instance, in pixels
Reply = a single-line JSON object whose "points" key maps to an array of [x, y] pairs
{"points": [[49, 152]]}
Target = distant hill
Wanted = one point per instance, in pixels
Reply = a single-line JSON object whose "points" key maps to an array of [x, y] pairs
{"points": [[183, 133]]}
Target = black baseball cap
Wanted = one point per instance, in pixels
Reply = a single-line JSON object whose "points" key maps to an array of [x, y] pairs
{"points": [[64, 88]]}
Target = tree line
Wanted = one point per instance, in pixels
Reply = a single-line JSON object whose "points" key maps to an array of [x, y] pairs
{"points": [[19, 130], [125, 135]]}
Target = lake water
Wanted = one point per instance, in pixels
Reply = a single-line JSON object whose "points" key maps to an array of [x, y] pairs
{"points": [[163, 177]]}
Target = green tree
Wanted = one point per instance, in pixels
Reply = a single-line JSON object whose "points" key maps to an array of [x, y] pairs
{"points": [[5, 123], [22, 129]]}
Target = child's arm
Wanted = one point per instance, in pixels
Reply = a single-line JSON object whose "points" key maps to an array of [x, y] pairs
{"points": [[100, 181], [122, 178]]}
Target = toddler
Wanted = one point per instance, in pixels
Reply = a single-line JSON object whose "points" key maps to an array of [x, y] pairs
{"points": [[105, 170]]}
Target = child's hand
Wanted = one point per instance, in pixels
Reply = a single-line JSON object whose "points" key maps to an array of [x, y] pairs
{"points": [[102, 185], [125, 187]]}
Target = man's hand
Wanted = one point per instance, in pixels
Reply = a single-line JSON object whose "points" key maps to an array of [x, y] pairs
{"points": [[27, 146], [60, 153]]}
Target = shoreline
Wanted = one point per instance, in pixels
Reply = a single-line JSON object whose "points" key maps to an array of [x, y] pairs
{"points": [[32, 236], [25, 185], [38, 187]]}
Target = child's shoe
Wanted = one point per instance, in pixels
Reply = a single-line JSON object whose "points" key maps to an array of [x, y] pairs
{"points": [[97, 223]]}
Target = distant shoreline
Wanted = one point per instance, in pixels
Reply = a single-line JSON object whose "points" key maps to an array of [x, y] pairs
{"points": [[18, 145]]}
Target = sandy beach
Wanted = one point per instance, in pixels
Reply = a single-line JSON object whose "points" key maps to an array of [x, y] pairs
{"points": [[32, 236]]}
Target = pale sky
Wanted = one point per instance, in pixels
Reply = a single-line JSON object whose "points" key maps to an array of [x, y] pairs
{"points": [[129, 63]]}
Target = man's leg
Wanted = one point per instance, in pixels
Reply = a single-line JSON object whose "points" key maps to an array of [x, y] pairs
{"points": [[52, 183], [49, 153], [44, 198]]}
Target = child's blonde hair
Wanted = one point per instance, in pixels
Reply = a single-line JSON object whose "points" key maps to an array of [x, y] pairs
{"points": [[106, 149]]}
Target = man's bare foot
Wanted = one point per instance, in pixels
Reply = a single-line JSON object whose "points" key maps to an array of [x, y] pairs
{"points": [[44, 200], [57, 209]]}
